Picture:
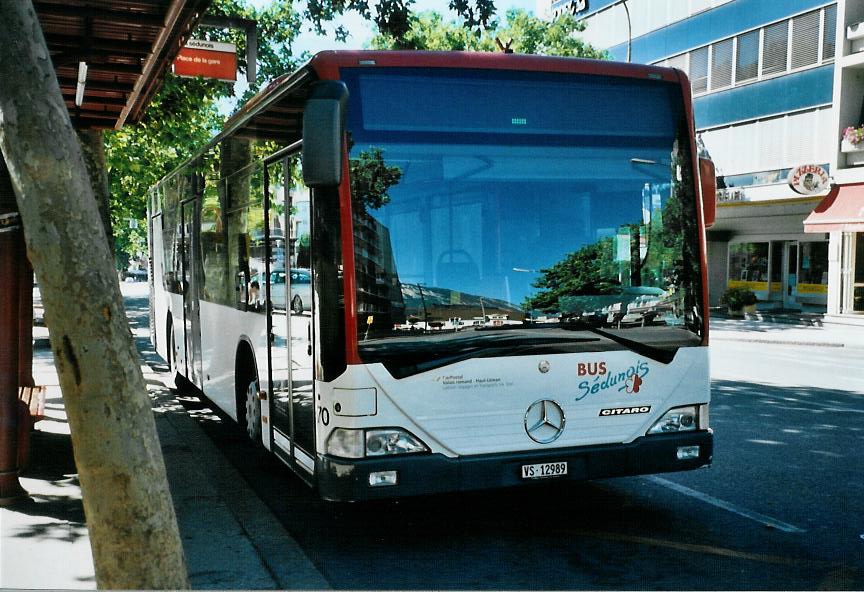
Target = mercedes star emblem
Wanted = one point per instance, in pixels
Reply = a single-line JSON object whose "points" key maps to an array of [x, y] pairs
{"points": [[543, 367], [544, 421]]}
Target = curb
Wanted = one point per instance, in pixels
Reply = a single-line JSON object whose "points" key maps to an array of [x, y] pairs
{"points": [[230, 537], [714, 337]]}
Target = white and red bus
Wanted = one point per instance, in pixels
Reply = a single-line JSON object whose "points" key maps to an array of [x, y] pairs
{"points": [[499, 261]]}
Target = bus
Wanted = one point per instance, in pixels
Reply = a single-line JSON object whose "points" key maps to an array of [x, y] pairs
{"points": [[504, 262]]}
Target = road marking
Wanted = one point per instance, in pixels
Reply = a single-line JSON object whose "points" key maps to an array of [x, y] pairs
{"points": [[704, 497], [706, 549]]}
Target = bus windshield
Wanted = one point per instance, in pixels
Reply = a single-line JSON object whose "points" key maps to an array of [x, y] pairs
{"points": [[513, 213]]}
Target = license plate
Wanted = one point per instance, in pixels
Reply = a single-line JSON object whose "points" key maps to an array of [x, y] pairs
{"points": [[543, 470]]}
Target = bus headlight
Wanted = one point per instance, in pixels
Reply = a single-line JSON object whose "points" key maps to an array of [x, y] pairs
{"points": [[345, 443], [392, 441], [679, 419], [350, 443]]}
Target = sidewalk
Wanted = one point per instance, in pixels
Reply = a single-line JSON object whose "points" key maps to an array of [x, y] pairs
{"points": [[230, 538], [786, 333]]}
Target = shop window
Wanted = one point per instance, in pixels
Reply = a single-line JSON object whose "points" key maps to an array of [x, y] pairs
{"points": [[776, 286], [813, 269], [858, 274], [748, 266]]}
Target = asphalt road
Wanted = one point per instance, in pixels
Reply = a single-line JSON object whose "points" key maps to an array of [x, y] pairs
{"points": [[781, 507]]}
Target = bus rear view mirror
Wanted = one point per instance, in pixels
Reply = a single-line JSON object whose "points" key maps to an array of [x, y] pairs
{"points": [[708, 182], [323, 130]]}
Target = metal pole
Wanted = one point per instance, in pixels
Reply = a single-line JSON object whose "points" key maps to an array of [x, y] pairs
{"points": [[251, 53], [629, 30], [11, 252]]}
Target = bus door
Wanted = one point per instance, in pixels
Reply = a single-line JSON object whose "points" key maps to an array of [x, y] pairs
{"points": [[290, 296], [190, 219]]}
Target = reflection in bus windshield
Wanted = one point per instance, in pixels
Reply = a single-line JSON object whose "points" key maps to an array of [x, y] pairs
{"points": [[494, 234]]}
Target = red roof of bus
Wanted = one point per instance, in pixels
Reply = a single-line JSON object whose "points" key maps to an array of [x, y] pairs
{"points": [[326, 61]]}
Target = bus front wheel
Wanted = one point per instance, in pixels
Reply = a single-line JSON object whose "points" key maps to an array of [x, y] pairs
{"points": [[253, 412], [248, 403]]}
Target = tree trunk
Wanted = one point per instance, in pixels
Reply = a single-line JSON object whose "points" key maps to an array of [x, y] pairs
{"points": [[133, 529], [93, 150]]}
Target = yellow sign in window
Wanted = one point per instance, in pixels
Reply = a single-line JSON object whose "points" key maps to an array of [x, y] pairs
{"points": [[812, 288], [754, 286]]}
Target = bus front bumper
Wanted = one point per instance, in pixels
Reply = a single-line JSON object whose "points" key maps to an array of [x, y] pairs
{"points": [[349, 480]]}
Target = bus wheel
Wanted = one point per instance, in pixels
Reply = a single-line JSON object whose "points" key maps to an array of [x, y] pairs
{"points": [[297, 305], [253, 412]]}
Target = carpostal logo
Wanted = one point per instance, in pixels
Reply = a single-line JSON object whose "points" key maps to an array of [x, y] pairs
{"points": [[629, 381], [625, 411]]}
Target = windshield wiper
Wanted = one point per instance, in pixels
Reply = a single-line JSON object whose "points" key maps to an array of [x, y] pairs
{"points": [[664, 356]]}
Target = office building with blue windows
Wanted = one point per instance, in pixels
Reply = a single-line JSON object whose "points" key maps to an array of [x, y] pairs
{"points": [[762, 76]]}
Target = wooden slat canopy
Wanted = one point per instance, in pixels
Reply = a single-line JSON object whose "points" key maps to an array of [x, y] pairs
{"points": [[128, 46]]}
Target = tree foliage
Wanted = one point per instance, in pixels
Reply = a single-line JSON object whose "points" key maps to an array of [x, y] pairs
{"points": [[529, 35], [394, 17], [589, 271], [181, 118], [371, 179], [184, 115]]}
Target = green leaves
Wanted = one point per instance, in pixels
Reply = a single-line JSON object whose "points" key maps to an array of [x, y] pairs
{"points": [[371, 178], [184, 115], [589, 271], [529, 34]]}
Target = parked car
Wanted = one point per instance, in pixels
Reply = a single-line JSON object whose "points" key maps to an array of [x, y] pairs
{"points": [[301, 290]]}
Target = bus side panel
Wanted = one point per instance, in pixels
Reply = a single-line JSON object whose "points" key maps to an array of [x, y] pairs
{"points": [[223, 328]]}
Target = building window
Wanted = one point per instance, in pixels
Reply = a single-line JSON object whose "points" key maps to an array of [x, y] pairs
{"points": [[721, 64], [805, 39], [780, 47], [699, 70], [748, 266], [829, 33], [747, 59], [775, 46]]}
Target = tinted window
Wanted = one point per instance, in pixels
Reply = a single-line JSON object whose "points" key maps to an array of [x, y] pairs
{"points": [[502, 214]]}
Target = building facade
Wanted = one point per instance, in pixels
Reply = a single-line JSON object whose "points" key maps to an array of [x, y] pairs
{"points": [[841, 214], [762, 76]]}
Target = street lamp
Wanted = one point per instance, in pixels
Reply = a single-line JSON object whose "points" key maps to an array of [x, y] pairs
{"points": [[577, 6], [629, 30]]}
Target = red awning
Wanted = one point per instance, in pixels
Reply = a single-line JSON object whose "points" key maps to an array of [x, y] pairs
{"points": [[842, 209]]}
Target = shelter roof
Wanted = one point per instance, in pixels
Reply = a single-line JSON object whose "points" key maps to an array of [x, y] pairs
{"points": [[128, 46]]}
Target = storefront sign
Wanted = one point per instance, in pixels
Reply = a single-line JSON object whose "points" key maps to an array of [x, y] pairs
{"points": [[808, 179], [209, 59]]}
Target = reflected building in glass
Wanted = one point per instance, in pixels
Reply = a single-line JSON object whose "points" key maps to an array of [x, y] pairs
{"points": [[761, 76]]}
